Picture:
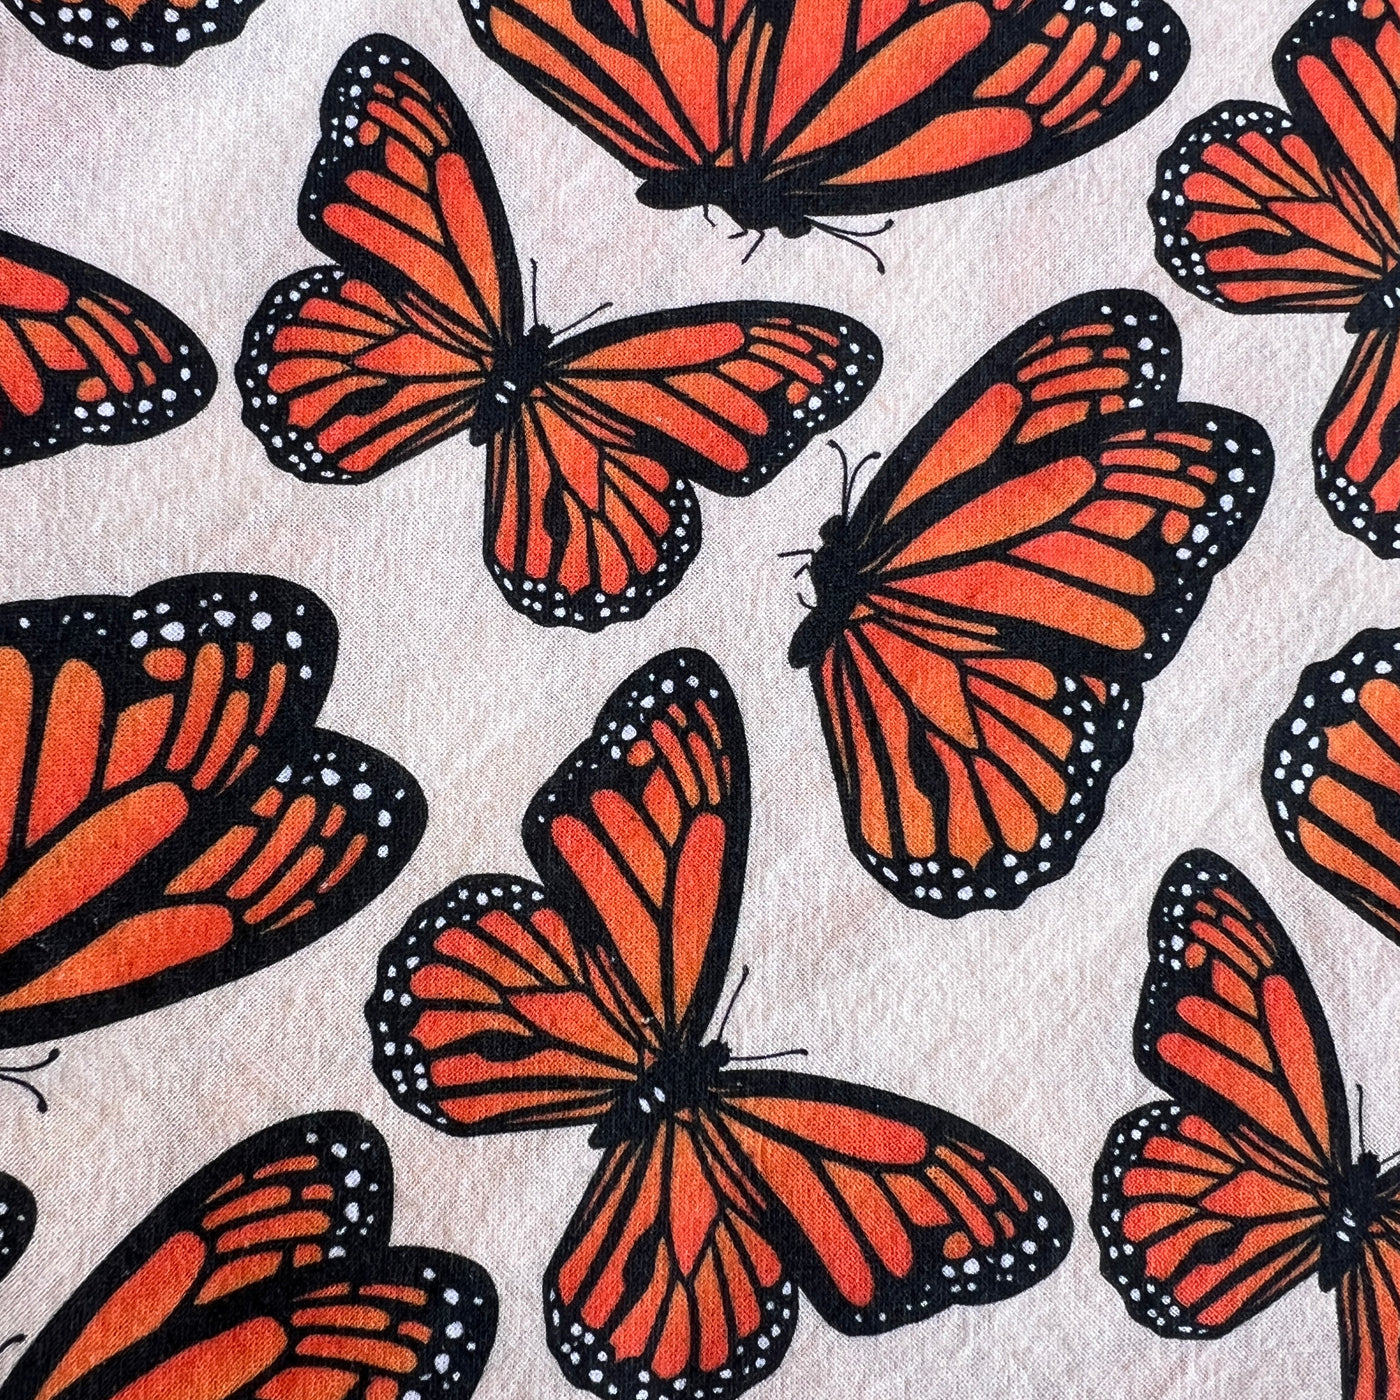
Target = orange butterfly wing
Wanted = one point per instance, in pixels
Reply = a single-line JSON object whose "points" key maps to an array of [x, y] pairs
{"points": [[1034, 550], [169, 818], [589, 514], [779, 113], [1209, 1207], [506, 1005], [1260, 211], [108, 34], [684, 1258], [268, 1273], [1331, 777], [86, 358], [347, 371]]}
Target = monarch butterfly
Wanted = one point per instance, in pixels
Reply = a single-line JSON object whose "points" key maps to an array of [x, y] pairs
{"points": [[1211, 1204], [86, 358], [783, 113], [985, 616], [505, 1004], [17, 1216], [170, 818], [1331, 777], [269, 1274], [1261, 210], [111, 33], [593, 441]]}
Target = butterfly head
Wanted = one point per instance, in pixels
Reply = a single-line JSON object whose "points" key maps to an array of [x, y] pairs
{"points": [[516, 375], [678, 1081], [1379, 309], [1355, 1205]]}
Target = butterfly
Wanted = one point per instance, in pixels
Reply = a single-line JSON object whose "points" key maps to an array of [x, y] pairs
{"points": [[783, 113], [985, 616], [723, 1189], [1211, 1204], [18, 1213], [269, 1274], [170, 818], [111, 33], [1261, 210], [593, 442], [1331, 777], [86, 358]]}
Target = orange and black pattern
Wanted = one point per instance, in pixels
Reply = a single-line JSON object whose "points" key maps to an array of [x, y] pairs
{"points": [[1260, 210], [269, 1274], [113, 33], [1034, 550], [17, 1216], [419, 334], [170, 817], [1331, 777], [86, 358], [782, 113], [722, 1193], [1209, 1206]]}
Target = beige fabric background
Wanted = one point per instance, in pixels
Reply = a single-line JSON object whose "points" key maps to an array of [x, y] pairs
{"points": [[185, 182]]}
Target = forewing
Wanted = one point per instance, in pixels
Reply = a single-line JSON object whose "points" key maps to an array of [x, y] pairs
{"points": [[641, 835], [1331, 777], [107, 34], [651, 82], [1356, 444], [1249, 216], [17, 1216], [270, 1210], [346, 372], [169, 819], [1199, 1227], [1230, 1026], [399, 188], [886, 1210], [489, 1015], [927, 102], [342, 381], [665, 1275], [84, 357], [588, 517]]}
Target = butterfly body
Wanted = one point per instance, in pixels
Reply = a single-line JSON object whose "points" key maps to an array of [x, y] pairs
{"points": [[752, 203], [518, 373], [677, 1083], [1357, 1199]]}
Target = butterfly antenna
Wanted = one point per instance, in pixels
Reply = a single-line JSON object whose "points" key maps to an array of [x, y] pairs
{"points": [[734, 996], [535, 290], [772, 1055], [12, 1074], [853, 237], [1361, 1115], [574, 325]]}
